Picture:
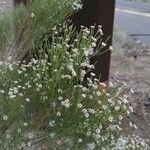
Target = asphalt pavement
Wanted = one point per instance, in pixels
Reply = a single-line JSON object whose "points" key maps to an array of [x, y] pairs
{"points": [[134, 17]]}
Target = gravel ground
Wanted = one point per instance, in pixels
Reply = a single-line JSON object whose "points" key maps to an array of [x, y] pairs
{"points": [[133, 68], [5, 5]]}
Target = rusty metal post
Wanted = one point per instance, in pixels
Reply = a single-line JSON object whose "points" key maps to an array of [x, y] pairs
{"points": [[99, 12]]}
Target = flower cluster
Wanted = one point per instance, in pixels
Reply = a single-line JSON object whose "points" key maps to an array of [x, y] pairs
{"points": [[51, 98]]}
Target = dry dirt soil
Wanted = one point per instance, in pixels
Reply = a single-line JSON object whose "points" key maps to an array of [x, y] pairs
{"points": [[133, 68]]}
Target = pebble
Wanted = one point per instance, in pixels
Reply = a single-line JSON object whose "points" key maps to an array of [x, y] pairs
{"points": [[147, 100]]}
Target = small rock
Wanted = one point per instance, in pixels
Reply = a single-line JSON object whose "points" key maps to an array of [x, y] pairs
{"points": [[147, 103], [147, 100]]}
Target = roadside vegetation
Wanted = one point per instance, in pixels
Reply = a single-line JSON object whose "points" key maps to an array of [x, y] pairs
{"points": [[46, 98]]}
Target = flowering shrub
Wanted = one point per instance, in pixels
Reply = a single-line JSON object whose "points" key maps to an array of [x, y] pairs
{"points": [[49, 100]]}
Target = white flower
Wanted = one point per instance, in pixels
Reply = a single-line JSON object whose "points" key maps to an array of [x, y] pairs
{"points": [[108, 94], [128, 112], [80, 105], [84, 110], [93, 44], [130, 124], [30, 135], [5, 117], [103, 44], [90, 51], [132, 91], [131, 108], [94, 39], [124, 83], [34, 61], [32, 15], [98, 93], [104, 107], [99, 102], [59, 90], [60, 98], [102, 84], [15, 90], [38, 85], [88, 133], [8, 136], [74, 73], [20, 94], [58, 114], [117, 108], [87, 115], [110, 48], [120, 117], [66, 103], [100, 31], [84, 95], [92, 111], [52, 135], [29, 144], [2, 91], [27, 100], [75, 50], [19, 71], [11, 68], [51, 123], [70, 66], [134, 126], [19, 130], [92, 74], [109, 100], [80, 140], [76, 5], [98, 131], [12, 96], [111, 84], [23, 145], [10, 93], [91, 97], [84, 89], [91, 146], [124, 100], [119, 102], [110, 119], [25, 124]]}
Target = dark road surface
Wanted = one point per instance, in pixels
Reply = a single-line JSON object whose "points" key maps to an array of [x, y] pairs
{"points": [[134, 17]]}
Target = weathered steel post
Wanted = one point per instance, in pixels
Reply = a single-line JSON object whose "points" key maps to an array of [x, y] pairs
{"points": [[99, 12]]}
